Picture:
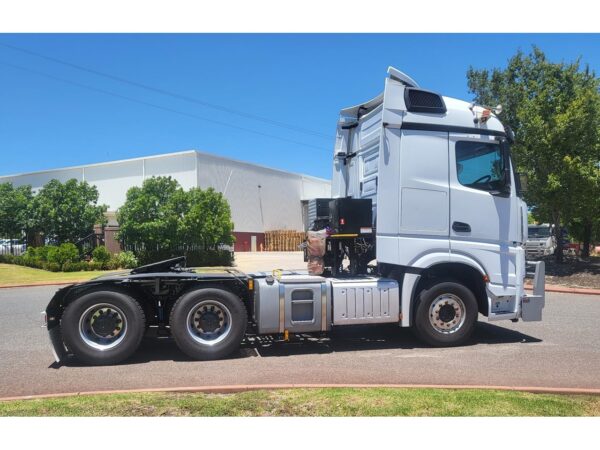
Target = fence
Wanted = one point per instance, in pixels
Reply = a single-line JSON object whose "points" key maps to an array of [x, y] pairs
{"points": [[87, 244], [12, 247], [283, 240], [197, 255]]}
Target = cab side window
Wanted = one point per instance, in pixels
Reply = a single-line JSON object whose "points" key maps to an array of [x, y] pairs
{"points": [[479, 165]]}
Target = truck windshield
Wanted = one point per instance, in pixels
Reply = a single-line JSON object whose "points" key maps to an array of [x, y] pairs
{"points": [[480, 165], [538, 232]]}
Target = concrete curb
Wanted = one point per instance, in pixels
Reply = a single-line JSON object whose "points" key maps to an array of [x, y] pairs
{"points": [[228, 389], [60, 283], [567, 290]]}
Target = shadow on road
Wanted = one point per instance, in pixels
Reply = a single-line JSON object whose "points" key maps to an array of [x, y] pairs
{"points": [[352, 338]]}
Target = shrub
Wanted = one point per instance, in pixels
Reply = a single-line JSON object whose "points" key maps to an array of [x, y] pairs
{"points": [[76, 266], [68, 252], [71, 267], [127, 260], [52, 267], [30, 258], [101, 255], [112, 264], [209, 258], [51, 254], [94, 265], [32, 261], [60, 255], [8, 259], [50, 257], [41, 252], [194, 258]]}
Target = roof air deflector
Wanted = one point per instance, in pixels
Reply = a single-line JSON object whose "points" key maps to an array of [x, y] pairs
{"points": [[397, 75]]}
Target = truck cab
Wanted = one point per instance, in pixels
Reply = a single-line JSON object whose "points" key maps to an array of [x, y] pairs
{"points": [[439, 174], [540, 241]]}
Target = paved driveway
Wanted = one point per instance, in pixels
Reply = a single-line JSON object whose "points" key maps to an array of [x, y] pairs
{"points": [[561, 351]]}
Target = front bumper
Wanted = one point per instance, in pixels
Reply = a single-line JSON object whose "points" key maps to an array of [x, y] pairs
{"points": [[533, 304]]}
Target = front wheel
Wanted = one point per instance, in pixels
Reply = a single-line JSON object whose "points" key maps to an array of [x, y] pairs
{"points": [[446, 314], [208, 323]]}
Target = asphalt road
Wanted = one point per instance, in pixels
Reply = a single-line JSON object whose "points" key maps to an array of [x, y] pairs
{"points": [[562, 351]]}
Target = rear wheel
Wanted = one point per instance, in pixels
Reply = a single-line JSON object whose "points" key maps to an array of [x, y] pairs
{"points": [[446, 314], [103, 327], [208, 323]]}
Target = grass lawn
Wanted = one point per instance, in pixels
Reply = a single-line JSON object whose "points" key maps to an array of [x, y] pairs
{"points": [[14, 275], [313, 402]]}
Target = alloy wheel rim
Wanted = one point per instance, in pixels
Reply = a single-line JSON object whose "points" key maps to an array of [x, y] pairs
{"points": [[447, 313], [209, 322], [102, 326]]}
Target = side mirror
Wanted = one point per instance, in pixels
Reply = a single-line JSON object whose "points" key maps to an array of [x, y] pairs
{"points": [[510, 134], [522, 180]]}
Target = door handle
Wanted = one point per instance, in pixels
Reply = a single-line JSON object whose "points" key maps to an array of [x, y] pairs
{"points": [[461, 227]]}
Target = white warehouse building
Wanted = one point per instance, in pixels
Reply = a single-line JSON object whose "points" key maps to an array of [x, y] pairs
{"points": [[261, 198]]}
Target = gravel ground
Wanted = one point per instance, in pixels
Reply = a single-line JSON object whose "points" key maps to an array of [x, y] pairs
{"points": [[574, 272]]}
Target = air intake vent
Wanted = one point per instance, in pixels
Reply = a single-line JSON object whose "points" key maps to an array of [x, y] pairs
{"points": [[418, 100]]}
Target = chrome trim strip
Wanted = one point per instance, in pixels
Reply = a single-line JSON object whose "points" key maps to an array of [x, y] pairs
{"points": [[281, 307], [324, 306]]}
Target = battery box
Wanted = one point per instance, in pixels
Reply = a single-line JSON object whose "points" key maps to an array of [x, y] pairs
{"points": [[351, 216]]}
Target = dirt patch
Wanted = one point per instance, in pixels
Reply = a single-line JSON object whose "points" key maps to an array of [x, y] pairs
{"points": [[574, 272]]}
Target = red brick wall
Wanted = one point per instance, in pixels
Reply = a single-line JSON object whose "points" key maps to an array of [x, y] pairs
{"points": [[243, 241], [110, 240]]}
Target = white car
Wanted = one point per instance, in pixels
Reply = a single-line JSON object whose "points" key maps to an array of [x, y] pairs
{"points": [[17, 248]]}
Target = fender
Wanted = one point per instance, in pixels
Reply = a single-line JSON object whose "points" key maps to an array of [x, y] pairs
{"points": [[411, 280]]}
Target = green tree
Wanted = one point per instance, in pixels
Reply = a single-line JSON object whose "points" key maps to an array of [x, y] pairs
{"points": [[554, 109], [160, 216], [584, 214], [66, 212], [15, 207], [150, 215], [207, 220]]}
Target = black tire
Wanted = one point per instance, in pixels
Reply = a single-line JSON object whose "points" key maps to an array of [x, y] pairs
{"points": [[75, 332], [191, 341], [440, 292]]}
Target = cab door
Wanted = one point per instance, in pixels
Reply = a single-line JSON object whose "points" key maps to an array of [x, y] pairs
{"points": [[483, 225]]}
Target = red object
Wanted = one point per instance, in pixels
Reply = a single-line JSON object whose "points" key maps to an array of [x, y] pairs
{"points": [[342, 221], [485, 115]]}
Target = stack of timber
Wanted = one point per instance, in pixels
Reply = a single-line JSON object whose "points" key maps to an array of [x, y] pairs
{"points": [[283, 240]]}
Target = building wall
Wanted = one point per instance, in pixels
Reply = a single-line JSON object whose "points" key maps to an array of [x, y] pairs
{"points": [[261, 198], [243, 241]]}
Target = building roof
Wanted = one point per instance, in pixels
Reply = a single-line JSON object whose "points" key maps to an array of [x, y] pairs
{"points": [[163, 155]]}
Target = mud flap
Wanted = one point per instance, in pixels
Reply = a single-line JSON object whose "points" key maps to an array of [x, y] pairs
{"points": [[56, 342]]}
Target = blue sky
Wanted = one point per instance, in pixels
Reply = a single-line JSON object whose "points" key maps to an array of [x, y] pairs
{"points": [[299, 80]]}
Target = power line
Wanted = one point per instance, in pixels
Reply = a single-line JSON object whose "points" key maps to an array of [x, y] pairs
{"points": [[170, 93], [153, 105]]}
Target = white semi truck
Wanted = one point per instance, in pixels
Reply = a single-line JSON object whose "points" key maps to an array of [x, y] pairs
{"points": [[424, 228], [540, 241]]}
